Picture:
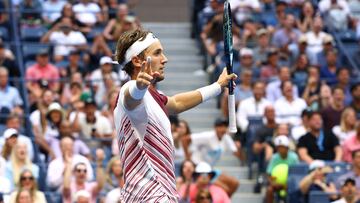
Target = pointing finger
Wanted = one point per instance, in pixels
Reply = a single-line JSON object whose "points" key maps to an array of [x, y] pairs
{"points": [[148, 65]]}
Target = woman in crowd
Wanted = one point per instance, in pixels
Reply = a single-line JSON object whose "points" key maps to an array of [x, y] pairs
{"points": [[114, 174], [186, 174], [27, 182], [307, 15], [347, 125], [19, 161]]}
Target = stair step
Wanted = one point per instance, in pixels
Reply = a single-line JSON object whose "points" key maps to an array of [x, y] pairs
{"points": [[253, 198]]}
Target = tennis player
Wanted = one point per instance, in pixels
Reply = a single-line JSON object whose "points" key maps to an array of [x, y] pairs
{"points": [[141, 118]]}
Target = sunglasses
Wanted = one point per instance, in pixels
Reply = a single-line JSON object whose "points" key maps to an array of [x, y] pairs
{"points": [[81, 170], [23, 178], [204, 197]]}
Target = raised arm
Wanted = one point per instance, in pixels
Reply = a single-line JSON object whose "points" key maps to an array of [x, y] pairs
{"points": [[184, 101]]}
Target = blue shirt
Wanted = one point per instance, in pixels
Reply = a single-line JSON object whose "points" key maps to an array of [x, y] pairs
{"points": [[10, 97]]}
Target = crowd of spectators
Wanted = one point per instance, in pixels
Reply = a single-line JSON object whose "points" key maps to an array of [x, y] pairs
{"points": [[297, 99]]}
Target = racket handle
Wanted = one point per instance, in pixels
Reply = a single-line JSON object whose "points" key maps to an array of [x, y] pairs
{"points": [[232, 117]]}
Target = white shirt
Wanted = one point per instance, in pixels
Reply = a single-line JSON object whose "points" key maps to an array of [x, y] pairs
{"points": [[97, 80], [250, 108], [342, 200], [207, 147], [65, 43], [2, 166], [342, 135], [102, 125], [86, 13], [289, 113], [52, 10], [5, 186], [315, 42], [113, 196], [56, 168], [35, 118], [325, 5], [297, 132], [273, 91]]}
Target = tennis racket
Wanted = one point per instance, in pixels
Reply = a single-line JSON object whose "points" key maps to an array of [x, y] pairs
{"points": [[228, 51]]}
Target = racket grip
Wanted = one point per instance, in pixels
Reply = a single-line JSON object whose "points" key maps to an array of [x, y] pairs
{"points": [[232, 117]]}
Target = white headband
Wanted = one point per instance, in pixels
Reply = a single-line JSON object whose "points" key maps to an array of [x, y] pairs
{"points": [[139, 46]]}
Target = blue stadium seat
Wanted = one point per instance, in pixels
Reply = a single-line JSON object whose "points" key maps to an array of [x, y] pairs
{"points": [[340, 167], [294, 194], [31, 49], [53, 197], [4, 34], [318, 197], [254, 124], [32, 34], [347, 36], [299, 169]]}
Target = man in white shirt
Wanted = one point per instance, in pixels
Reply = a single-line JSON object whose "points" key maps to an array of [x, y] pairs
{"points": [[243, 9], [273, 90], [210, 145], [91, 125], [252, 107], [65, 39], [288, 109], [87, 12], [52, 10], [315, 38], [57, 166], [97, 79]]}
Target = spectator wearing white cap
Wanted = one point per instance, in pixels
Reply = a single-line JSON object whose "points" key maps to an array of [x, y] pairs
{"points": [[247, 62], [97, 79], [316, 179], [203, 176], [283, 156]]}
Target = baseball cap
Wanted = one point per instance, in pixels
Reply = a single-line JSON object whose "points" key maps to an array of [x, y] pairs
{"points": [[261, 31], [202, 168], [302, 39], [246, 52], [10, 132], [328, 39], [316, 164], [90, 101], [106, 60], [281, 140], [54, 107]]}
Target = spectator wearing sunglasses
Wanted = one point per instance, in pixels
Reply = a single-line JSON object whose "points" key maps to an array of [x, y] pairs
{"points": [[75, 179], [27, 182]]}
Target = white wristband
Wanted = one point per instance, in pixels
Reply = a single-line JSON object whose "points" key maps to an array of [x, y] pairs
{"points": [[135, 92], [210, 91]]}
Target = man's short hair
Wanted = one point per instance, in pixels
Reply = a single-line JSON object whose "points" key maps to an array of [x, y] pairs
{"points": [[353, 153], [312, 114], [123, 44]]}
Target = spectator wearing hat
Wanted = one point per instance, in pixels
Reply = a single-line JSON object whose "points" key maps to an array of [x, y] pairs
{"points": [[351, 144], [247, 62], [7, 60], [75, 179], [252, 107], [296, 50], [57, 166], [13, 122], [348, 192], [332, 114], [282, 156], [288, 108], [328, 45], [10, 95], [203, 176], [316, 180], [91, 125], [42, 69], [354, 173], [98, 78], [318, 143], [8, 142], [262, 48], [273, 89], [210, 145], [65, 39]]}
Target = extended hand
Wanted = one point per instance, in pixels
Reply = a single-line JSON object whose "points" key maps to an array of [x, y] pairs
{"points": [[224, 78], [146, 76]]}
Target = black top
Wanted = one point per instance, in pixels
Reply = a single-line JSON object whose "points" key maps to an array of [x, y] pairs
{"points": [[309, 142], [264, 134]]}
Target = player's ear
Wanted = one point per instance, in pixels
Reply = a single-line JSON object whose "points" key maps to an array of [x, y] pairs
{"points": [[137, 61]]}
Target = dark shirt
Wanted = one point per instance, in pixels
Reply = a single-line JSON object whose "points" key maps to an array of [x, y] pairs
{"points": [[11, 66], [331, 117], [264, 134], [329, 143]]}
